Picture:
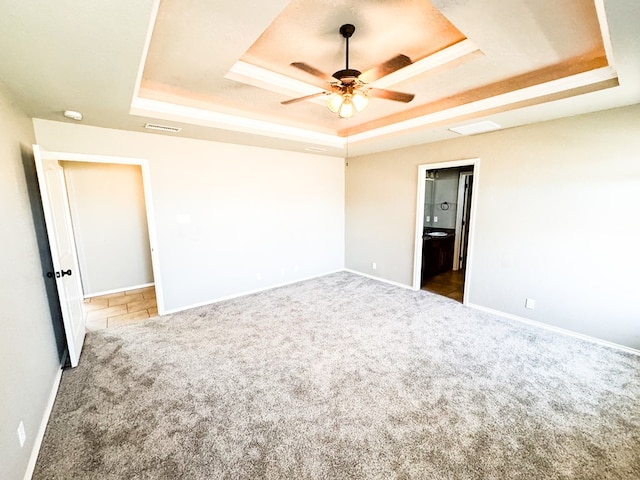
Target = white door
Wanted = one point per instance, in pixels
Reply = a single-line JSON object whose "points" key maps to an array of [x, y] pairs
{"points": [[53, 190], [463, 214]]}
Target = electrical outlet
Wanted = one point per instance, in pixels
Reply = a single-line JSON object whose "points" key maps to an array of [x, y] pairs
{"points": [[530, 303], [22, 436], [435, 219], [374, 266]]}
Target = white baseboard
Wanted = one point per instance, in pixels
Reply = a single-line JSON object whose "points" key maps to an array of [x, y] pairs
{"points": [[118, 290], [244, 293], [43, 427], [553, 328], [510, 316], [380, 279]]}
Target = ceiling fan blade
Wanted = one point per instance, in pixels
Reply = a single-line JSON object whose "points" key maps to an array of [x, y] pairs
{"points": [[302, 99], [311, 70], [384, 69], [391, 95]]}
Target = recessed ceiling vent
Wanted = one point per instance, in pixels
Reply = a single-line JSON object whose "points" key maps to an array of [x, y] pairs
{"points": [[474, 128], [162, 128]]}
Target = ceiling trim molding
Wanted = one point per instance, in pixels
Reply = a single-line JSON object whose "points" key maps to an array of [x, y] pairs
{"points": [[275, 82], [180, 113], [208, 118], [259, 77], [536, 91], [604, 30], [455, 52], [145, 50]]}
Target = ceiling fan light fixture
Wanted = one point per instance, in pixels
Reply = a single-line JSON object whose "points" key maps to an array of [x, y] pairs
{"points": [[347, 109], [360, 101], [346, 104], [334, 102]]}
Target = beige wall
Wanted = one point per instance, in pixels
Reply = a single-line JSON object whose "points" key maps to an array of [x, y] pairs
{"points": [[557, 219], [109, 225], [30, 360], [229, 218]]}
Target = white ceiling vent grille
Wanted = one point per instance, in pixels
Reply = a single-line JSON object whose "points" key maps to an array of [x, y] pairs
{"points": [[474, 128], [162, 128]]}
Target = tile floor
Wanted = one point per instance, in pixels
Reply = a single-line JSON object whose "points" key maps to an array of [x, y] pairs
{"points": [[449, 284], [120, 308]]}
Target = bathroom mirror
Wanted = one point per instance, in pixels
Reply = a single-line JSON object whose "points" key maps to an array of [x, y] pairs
{"points": [[441, 193]]}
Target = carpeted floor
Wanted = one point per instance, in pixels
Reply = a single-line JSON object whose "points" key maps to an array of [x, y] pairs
{"points": [[343, 377]]}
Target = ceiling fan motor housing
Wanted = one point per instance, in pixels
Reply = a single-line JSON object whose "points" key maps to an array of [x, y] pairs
{"points": [[348, 75], [347, 30]]}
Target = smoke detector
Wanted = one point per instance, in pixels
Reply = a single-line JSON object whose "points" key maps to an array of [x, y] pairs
{"points": [[73, 115]]}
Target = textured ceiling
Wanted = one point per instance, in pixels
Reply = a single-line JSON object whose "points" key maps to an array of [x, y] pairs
{"points": [[529, 43], [180, 62]]}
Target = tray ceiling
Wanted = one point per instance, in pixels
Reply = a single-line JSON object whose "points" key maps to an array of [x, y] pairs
{"points": [[470, 58], [219, 70]]}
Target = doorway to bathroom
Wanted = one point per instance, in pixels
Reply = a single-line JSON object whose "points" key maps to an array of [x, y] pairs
{"points": [[444, 228]]}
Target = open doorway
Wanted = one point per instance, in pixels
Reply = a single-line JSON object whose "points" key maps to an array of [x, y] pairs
{"points": [[110, 229], [62, 244], [444, 228]]}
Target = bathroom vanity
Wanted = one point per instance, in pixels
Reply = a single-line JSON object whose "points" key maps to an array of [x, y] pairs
{"points": [[437, 252]]}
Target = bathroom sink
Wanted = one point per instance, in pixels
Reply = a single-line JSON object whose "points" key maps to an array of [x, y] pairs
{"points": [[437, 234]]}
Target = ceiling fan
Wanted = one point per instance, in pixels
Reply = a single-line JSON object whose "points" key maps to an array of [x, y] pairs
{"points": [[348, 88]]}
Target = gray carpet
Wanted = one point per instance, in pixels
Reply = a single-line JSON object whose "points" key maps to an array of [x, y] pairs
{"points": [[343, 377]]}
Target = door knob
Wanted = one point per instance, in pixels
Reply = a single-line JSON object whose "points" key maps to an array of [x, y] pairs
{"points": [[59, 274]]}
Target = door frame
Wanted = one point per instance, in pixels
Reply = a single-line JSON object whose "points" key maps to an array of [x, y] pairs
{"points": [[417, 254], [148, 200], [460, 212]]}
